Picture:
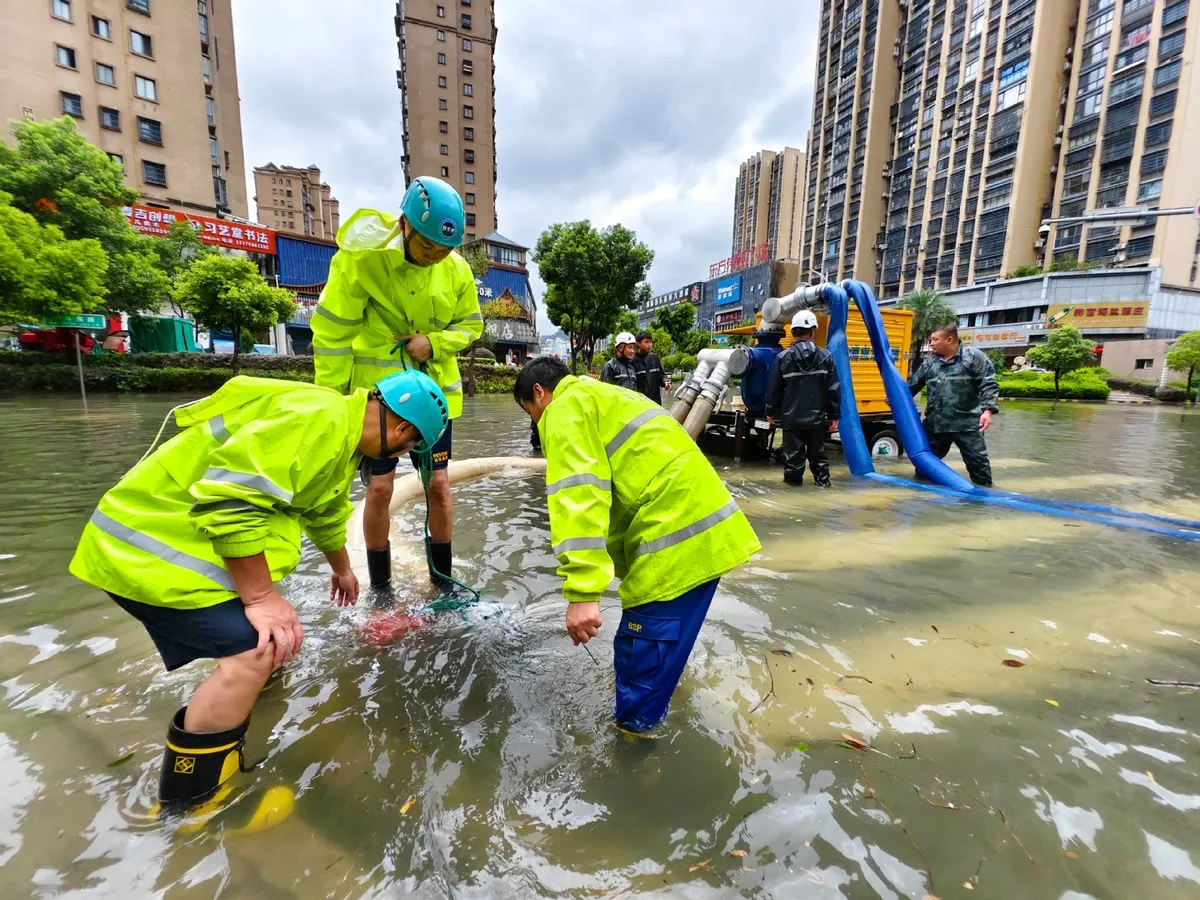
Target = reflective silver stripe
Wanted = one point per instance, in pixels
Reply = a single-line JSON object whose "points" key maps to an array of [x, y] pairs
{"points": [[576, 480], [473, 317], [219, 505], [438, 323], [579, 544], [217, 426], [258, 482], [322, 311], [165, 552], [461, 330], [627, 432], [383, 363], [457, 386], [692, 530], [332, 351], [800, 374]]}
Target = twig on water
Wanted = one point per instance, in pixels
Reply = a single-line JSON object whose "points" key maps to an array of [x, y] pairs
{"points": [[769, 694], [914, 752], [1179, 684], [939, 805], [896, 821], [1004, 819]]}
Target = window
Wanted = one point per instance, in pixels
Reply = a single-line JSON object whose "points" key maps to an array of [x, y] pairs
{"points": [[471, 220], [441, 81], [445, 150], [445, 171], [441, 12], [146, 88], [468, 134], [149, 130], [106, 75], [444, 127], [65, 56], [468, 112], [1144, 364], [468, 90], [140, 43], [154, 173], [468, 67], [289, 193], [469, 156], [61, 9], [101, 28], [206, 69], [441, 35], [466, 22], [118, 159], [470, 175], [470, 199], [1099, 26], [72, 104], [1168, 74], [443, 104], [211, 108], [467, 45], [204, 33], [110, 119], [214, 150], [441, 62], [972, 69], [1150, 190], [142, 6]]}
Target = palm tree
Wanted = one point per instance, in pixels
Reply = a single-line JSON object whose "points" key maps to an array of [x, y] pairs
{"points": [[931, 311]]}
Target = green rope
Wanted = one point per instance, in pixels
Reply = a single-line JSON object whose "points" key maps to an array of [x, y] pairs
{"points": [[425, 470]]}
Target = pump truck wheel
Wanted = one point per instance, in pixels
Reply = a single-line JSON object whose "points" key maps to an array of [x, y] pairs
{"points": [[885, 444]]}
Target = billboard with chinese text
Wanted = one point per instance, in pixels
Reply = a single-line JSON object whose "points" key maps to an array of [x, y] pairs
{"points": [[1099, 315], [729, 291], [218, 232], [1000, 336]]}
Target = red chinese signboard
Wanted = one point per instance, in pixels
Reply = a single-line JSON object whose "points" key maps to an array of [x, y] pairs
{"points": [[219, 232], [739, 261]]}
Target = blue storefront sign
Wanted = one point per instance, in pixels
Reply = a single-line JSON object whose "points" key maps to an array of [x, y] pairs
{"points": [[729, 291]]}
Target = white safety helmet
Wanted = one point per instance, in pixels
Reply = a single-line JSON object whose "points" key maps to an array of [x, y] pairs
{"points": [[804, 319], [624, 338]]}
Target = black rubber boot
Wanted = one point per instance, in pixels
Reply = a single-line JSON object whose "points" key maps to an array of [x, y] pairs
{"points": [[195, 765], [441, 560], [379, 566]]}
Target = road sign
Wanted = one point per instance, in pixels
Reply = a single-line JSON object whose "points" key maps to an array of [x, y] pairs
{"points": [[88, 322], [720, 340]]}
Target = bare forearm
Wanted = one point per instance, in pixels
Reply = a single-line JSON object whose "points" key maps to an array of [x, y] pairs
{"points": [[251, 576], [339, 560]]}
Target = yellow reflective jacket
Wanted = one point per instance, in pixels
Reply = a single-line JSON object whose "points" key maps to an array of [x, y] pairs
{"points": [[259, 462], [374, 296], [631, 494]]}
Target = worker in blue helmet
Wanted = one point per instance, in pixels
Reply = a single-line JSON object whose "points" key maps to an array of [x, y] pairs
{"points": [[398, 297], [194, 540]]}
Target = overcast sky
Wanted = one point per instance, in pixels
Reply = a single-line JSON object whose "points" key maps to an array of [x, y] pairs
{"points": [[630, 111]]}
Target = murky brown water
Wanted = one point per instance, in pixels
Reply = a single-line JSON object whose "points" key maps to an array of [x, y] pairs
{"points": [[876, 613]]}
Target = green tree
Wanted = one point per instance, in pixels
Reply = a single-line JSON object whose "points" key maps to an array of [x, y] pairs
{"points": [[677, 321], [42, 273], [476, 257], [590, 276], [227, 293], [695, 341], [931, 311], [1024, 272], [1064, 351], [627, 320], [179, 249], [1070, 263], [663, 342], [59, 178], [1184, 356], [999, 360]]}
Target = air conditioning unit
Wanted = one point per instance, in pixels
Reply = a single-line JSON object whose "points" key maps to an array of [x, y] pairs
{"points": [[1039, 244], [1067, 66], [1058, 142], [1120, 258], [880, 245], [887, 195], [1070, 51], [1121, 246], [1060, 131], [920, 248], [1054, 170]]}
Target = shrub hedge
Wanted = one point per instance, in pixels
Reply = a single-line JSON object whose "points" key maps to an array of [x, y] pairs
{"points": [[64, 378], [1079, 385], [250, 363]]}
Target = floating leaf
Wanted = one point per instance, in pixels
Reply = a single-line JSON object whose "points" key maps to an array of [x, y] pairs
{"points": [[412, 801], [802, 747], [1012, 663], [120, 761], [783, 652], [854, 743], [1052, 702], [811, 683], [699, 865], [738, 854], [1071, 854], [935, 631]]}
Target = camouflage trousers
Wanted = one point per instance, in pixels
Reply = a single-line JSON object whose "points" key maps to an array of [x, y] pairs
{"points": [[974, 452]]}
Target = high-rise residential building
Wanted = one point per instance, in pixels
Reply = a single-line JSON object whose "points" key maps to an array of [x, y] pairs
{"points": [[766, 207], [447, 76], [1133, 114], [153, 83], [296, 201]]}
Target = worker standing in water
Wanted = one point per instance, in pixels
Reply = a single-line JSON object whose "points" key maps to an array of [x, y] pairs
{"points": [[399, 297], [193, 540], [804, 398], [651, 377], [962, 400], [620, 370], [631, 495]]}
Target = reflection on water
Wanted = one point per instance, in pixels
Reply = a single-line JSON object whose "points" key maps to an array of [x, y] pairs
{"points": [[476, 758]]}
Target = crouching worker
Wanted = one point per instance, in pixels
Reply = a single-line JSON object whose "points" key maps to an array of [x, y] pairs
{"points": [[631, 494], [192, 541], [803, 397]]}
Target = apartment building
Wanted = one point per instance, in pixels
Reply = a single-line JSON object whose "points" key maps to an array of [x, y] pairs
{"points": [[766, 207], [153, 83], [1133, 114], [447, 76], [296, 201]]}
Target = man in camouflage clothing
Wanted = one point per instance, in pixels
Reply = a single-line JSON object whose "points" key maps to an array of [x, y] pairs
{"points": [[962, 398]]}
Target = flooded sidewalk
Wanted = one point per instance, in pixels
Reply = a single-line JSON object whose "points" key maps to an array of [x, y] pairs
{"points": [[903, 695]]}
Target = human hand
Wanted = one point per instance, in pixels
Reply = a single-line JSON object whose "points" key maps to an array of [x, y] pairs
{"points": [[770, 420], [419, 348], [583, 621], [833, 426], [985, 421], [343, 588], [274, 620]]}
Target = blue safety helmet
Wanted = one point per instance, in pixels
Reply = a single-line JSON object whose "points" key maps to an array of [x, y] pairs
{"points": [[416, 398], [435, 210]]}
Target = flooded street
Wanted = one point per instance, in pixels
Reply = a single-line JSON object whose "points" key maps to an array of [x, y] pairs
{"points": [[476, 757]]}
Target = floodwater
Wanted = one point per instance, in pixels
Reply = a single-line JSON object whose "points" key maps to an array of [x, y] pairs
{"points": [[475, 758]]}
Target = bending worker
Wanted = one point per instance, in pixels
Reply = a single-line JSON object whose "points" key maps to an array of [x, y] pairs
{"points": [[962, 399], [631, 494], [398, 297], [803, 396], [620, 370], [192, 541], [651, 377]]}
